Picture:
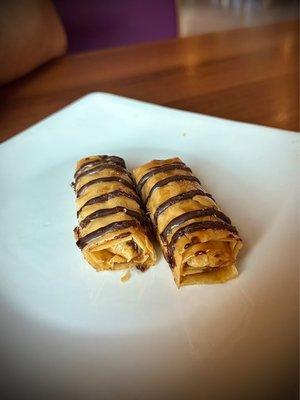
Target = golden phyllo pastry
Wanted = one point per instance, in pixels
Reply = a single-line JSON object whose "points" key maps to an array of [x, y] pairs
{"points": [[112, 231], [196, 238]]}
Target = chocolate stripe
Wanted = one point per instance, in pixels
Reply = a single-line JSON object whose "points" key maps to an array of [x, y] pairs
{"points": [[190, 215], [176, 199], [114, 226], [108, 196], [159, 169], [100, 168], [196, 226], [101, 159], [105, 179], [168, 180], [109, 211], [87, 165]]}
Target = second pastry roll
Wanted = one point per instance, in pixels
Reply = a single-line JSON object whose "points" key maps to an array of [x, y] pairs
{"points": [[196, 238], [112, 231]]}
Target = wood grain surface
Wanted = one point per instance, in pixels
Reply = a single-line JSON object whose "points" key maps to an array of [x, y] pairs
{"points": [[245, 74]]}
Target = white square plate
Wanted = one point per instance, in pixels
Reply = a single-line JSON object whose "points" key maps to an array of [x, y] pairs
{"points": [[68, 332]]}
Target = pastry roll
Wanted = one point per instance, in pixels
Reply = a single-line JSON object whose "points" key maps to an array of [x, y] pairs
{"points": [[196, 237], [112, 232]]}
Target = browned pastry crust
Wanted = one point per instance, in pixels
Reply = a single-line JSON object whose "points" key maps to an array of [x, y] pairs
{"points": [[196, 237], [112, 230]]}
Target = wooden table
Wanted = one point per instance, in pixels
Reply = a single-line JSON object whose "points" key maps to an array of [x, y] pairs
{"points": [[246, 74]]}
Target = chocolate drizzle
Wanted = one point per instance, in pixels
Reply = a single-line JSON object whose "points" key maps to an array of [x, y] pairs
{"points": [[211, 211], [141, 267], [100, 160], [176, 199], [114, 226], [170, 179], [123, 235], [101, 167], [196, 226], [133, 245], [109, 211], [159, 169], [105, 179], [108, 196]]}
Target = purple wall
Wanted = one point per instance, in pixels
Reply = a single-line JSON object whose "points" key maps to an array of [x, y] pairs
{"points": [[94, 24]]}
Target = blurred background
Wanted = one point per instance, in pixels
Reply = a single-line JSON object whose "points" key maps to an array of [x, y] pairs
{"points": [[94, 24], [263, 35], [203, 16]]}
